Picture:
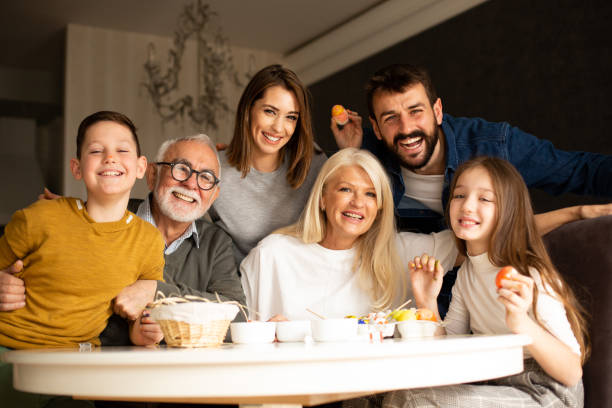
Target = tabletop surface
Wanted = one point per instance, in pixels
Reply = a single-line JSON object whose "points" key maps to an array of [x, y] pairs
{"points": [[297, 372]]}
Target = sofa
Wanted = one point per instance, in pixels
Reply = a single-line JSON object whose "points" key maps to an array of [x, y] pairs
{"points": [[582, 252]]}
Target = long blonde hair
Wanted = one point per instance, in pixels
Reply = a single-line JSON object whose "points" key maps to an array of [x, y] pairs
{"points": [[376, 262], [515, 240]]}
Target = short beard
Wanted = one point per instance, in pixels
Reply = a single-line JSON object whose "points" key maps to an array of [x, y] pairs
{"points": [[166, 207], [430, 144]]}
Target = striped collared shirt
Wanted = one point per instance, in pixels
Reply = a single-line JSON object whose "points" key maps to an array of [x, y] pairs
{"points": [[144, 212]]}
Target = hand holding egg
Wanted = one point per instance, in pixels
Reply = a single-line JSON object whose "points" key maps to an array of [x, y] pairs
{"points": [[516, 294], [346, 127], [340, 116], [505, 273]]}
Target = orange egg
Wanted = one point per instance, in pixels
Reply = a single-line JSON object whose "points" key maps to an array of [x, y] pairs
{"points": [[337, 110], [340, 115], [426, 314], [507, 272]]}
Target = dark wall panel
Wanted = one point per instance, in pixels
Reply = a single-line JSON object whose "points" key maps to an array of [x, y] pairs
{"points": [[543, 66]]}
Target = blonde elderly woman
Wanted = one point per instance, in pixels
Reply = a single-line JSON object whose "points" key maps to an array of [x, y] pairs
{"points": [[343, 256]]}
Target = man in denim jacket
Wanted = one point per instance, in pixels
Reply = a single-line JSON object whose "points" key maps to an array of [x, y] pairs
{"points": [[414, 140], [421, 148]]}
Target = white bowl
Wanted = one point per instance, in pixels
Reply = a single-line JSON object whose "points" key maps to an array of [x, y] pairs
{"points": [[292, 330], [334, 329], [417, 328], [253, 332]]}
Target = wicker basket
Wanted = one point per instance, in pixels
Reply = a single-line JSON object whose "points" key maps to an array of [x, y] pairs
{"points": [[193, 324], [182, 334]]}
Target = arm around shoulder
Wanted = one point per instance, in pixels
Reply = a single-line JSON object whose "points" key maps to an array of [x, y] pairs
{"points": [[12, 289], [551, 220], [557, 171]]}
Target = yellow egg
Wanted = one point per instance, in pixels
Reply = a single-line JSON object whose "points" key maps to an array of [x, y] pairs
{"points": [[406, 314]]}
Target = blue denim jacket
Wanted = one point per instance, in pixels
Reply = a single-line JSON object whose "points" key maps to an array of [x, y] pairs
{"points": [[541, 165]]}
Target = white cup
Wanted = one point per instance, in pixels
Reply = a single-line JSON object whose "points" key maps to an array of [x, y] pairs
{"points": [[416, 328], [334, 329], [293, 330], [253, 332]]}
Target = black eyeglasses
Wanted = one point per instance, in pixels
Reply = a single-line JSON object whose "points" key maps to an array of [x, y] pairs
{"points": [[206, 179]]}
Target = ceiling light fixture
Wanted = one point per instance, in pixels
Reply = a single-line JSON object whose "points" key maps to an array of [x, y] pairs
{"points": [[214, 66]]}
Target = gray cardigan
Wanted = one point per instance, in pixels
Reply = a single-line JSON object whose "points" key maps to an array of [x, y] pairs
{"points": [[190, 270]]}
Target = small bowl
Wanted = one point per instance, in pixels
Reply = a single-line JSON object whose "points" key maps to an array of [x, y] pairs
{"points": [[417, 328], [253, 332], [334, 329], [292, 330]]}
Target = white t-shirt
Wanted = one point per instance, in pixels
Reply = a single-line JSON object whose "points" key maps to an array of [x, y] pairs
{"points": [[474, 306], [427, 189], [282, 275]]}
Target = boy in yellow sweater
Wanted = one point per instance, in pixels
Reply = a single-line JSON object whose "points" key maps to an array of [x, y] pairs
{"points": [[79, 255]]}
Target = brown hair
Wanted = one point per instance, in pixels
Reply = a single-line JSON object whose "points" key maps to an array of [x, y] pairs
{"points": [[103, 116], [515, 240], [300, 148], [396, 78]]}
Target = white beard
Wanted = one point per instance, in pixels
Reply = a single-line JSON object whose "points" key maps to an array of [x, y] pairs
{"points": [[177, 211]]}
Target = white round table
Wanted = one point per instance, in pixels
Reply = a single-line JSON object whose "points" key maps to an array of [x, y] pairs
{"points": [[287, 373]]}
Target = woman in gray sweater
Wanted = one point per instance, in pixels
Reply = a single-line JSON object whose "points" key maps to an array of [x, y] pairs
{"points": [[270, 164]]}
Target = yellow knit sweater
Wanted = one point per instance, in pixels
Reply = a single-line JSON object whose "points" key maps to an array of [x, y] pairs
{"points": [[73, 268]]}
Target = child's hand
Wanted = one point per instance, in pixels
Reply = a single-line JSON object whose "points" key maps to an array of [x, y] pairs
{"points": [[517, 297], [426, 277], [149, 332]]}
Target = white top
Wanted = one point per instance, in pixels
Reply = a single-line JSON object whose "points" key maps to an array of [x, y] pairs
{"points": [[475, 307], [426, 189], [250, 208], [282, 275]]}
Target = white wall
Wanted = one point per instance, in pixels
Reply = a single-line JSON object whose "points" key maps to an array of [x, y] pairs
{"points": [[104, 71]]}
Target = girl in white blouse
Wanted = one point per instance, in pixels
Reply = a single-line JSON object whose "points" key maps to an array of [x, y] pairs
{"points": [[490, 213]]}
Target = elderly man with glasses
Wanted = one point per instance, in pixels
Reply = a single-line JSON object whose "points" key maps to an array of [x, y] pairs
{"points": [[199, 257]]}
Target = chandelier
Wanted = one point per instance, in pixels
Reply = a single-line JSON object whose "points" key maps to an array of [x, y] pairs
{"points": [[214, 63]]}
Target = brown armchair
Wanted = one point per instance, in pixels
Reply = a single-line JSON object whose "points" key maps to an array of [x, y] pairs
{"points": [[582, 252]]}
